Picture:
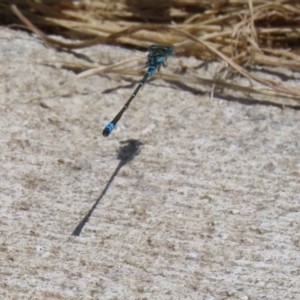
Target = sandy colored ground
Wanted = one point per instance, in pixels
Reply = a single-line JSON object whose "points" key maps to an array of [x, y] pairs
{"points": [[191, 198]]}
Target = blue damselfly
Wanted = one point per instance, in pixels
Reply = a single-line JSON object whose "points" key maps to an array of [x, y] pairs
{"points": [[157, 56]]}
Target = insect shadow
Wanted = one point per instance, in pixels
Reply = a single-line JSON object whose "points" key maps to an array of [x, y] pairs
{"points": [[128, 150]]}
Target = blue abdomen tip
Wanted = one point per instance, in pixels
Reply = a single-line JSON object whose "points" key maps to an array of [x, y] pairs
{"points": [[108, 129]]}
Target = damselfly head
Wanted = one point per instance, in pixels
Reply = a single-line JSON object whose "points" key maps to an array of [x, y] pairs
{"points": [[165, 50]]}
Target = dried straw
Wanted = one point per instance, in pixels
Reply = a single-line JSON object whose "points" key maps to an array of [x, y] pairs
{"points": [[242, 33]]}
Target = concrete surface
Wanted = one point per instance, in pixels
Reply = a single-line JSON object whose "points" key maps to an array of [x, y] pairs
{"points": [[189, 198]]}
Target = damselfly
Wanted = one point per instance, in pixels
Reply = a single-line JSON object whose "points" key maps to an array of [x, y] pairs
{"points": [[157, 56]]}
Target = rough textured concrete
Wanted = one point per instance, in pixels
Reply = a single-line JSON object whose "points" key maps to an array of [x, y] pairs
{"points": [[196, 198]]}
